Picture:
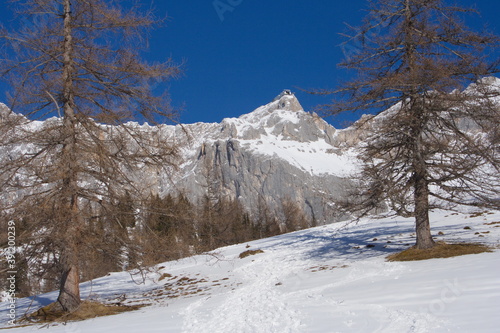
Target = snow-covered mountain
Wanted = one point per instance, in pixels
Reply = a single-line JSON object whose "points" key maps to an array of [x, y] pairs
{"points": [[277, 152], [331, 278], [274, 154]]}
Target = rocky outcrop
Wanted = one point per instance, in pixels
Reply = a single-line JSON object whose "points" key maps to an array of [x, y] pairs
{"points": [[265, 157]]}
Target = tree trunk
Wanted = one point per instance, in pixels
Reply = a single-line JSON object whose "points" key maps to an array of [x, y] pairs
{"points": [[422, 224], [69, 293], [420, 176], [417, 117]]}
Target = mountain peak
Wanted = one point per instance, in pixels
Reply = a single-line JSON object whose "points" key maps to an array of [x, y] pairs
{"points": [[284, 106], [286, 101], [283, 93]]}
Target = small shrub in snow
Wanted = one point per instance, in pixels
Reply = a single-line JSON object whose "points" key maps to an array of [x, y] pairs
{"points": [[249, 253]]}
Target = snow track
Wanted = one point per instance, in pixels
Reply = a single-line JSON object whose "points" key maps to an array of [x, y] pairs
{"points": [[256, 306]]}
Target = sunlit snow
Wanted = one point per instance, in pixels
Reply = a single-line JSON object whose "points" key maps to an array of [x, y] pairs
{"points": [[332, 278]]}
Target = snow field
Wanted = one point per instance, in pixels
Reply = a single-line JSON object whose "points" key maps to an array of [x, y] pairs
{"points": [[332, 278]]}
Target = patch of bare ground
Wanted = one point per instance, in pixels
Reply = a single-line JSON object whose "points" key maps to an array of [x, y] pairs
{"points": [[53, 313], [325, 268], [175, 287], [441, 250]]}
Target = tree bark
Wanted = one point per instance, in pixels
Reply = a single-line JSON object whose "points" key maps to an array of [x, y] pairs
{"points": [[422, 224], [69, 293], [420, 174], [417, 109]]}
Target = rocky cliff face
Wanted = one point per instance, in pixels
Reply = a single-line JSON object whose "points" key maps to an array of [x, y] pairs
{"points": [[277, 152]]}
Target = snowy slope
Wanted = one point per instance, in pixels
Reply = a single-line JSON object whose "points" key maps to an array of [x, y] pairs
{"points": [[324, 279]]}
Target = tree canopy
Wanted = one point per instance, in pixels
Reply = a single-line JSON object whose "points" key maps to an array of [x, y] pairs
{"points": [[79, 62], [434, 141]]}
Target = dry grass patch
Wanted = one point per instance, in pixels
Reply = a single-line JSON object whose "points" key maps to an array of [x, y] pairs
{"points": [[87, 310], [249, 253], [164, 276], [441, 250], [491, 223]]}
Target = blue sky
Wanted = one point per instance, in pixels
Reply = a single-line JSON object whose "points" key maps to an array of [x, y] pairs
{"points": [[240, 58], [240, 54]]}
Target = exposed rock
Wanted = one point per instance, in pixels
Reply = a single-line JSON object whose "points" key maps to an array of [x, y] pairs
{"points": [[266, 156]]}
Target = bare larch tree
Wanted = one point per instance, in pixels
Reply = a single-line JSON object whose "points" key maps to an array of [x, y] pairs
{"points": [[434, 141], [79, 62]]}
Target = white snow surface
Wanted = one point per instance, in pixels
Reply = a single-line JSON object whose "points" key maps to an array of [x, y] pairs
{"points": [[323, 279], [315, 158]]}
